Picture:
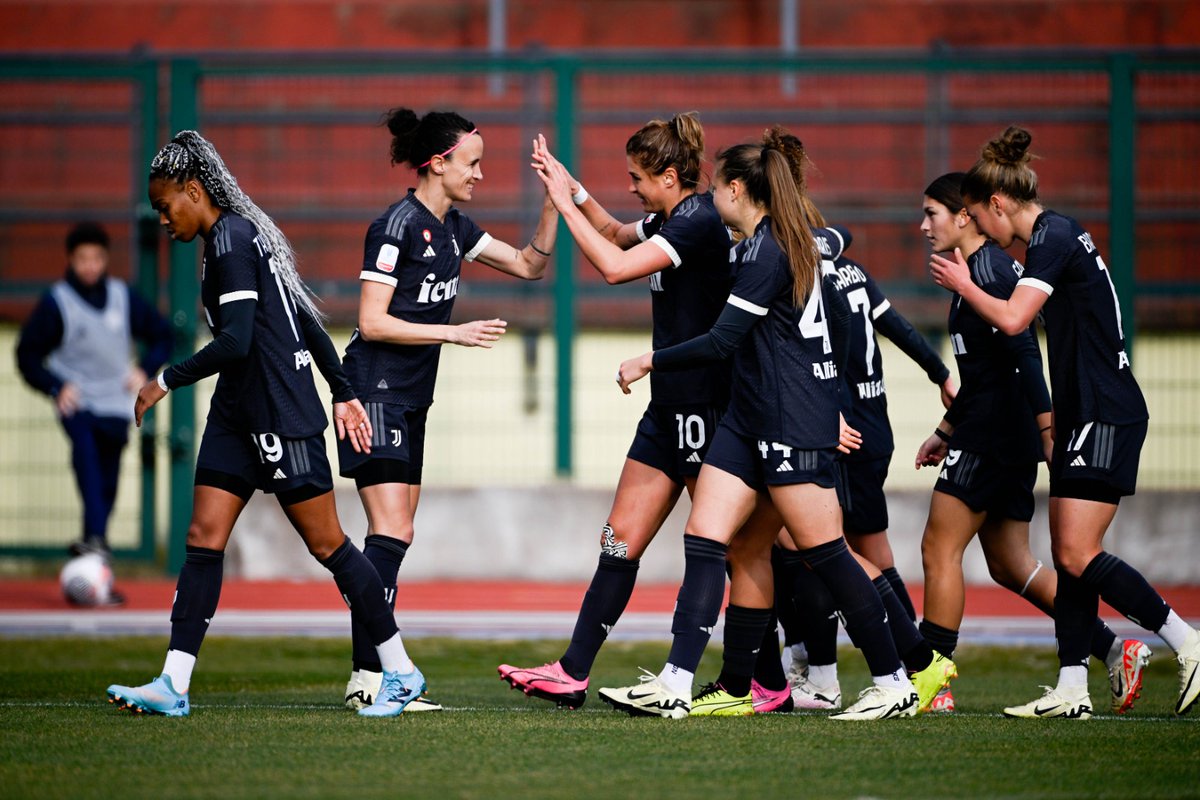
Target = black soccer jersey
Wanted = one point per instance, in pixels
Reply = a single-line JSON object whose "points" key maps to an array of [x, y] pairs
{"points": [[867, 412], [872, 312], [687, 297], [420, 257], [271, 390], [992, 413], [1090, 376], [785, 382]]}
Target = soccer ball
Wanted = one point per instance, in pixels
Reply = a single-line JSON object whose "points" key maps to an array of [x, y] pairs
{"points": [[87, 580]]}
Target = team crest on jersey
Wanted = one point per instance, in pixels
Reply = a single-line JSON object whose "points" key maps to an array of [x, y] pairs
{"points": [[395, 437], [426, 235]]}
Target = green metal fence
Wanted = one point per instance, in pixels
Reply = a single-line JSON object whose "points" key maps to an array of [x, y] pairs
{"points": [[1118, 133]]}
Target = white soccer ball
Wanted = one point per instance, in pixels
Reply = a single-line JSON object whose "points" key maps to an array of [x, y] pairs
{"points": [[87, 580]]}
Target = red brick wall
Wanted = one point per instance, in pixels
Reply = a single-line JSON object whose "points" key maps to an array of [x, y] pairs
{"points": [[120, 25]]}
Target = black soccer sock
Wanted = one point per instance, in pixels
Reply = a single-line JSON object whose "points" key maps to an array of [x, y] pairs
{"points": [[768, 669], [699, 602], [816, 612], [1075, 607], [196, 595], [1124, 588], [386, 555], [605, 601], [897, 584], [914, 651], [743, 641], [944, 640], [362, 590], [784, 570], [1102, 640], [859, 602]]}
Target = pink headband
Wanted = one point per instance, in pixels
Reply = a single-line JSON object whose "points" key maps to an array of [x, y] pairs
{"points": [[451, 150]]}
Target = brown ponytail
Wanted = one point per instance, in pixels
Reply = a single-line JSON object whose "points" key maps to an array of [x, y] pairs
{"points": [[677, 143], [768, 171]]}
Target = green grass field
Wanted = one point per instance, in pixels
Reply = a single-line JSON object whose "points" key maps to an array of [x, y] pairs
{"points": [[266, 722]]}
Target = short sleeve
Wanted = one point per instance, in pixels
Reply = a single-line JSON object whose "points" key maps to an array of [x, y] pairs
{"points": [[383, 254], [474, 238], [1045, 259], [685, 237]]}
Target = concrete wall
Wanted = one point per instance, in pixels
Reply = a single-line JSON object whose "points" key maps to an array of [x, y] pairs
{"points": [[552, 533]]}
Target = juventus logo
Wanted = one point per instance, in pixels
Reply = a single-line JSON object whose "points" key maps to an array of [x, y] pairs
{"points": [[395, 437]]}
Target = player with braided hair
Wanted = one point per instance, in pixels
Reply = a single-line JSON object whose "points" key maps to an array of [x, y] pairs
{"points": [[265, 423]]}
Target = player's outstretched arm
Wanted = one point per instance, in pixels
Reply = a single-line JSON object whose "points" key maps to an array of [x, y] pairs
{"points": [[623, 235], [613, 263]]}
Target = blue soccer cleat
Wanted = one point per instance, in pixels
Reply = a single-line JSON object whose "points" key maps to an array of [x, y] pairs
{"points": [[156, 697], [396, 692]]}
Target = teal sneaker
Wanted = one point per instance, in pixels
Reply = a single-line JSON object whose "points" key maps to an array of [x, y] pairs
{"points": [[395, 693], [156, 697]]}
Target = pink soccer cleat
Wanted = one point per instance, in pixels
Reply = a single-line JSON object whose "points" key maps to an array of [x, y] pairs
{"points": [[549, 682]]}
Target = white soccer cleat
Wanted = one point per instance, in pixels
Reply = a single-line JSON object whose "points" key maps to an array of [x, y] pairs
{"points": [[807, 695], [881, 702], [1189, 673], [362, 688], [651, 697], [795, 668], [1071, 702]]}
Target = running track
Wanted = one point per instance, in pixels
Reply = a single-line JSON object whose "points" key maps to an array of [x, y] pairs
{"points": [[470, 609]]}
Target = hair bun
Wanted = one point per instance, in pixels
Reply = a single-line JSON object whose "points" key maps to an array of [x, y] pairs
{"points": [[1010, 148]]}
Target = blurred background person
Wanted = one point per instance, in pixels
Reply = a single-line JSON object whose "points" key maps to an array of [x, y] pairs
{"points": [[77, 348]]}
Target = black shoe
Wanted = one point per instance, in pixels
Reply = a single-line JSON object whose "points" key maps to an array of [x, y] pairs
{"points": [[93, 544]]}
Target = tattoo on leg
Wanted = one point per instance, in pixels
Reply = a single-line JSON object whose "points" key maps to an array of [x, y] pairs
{"points": [[610, 546]]}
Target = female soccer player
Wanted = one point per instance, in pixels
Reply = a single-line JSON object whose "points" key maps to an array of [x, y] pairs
{"points": [[413, 255], [1100, 416], [682, 247], [265, 422], [864, 505], [988, 444], [777, 442]]}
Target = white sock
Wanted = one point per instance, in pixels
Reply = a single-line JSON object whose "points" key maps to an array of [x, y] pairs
{"points": [[823, 676], [677, 680], [1175, 631], [1116, 654], [799, 652], [894, 680], [1072, 678], [394, 657], [178, 667]]}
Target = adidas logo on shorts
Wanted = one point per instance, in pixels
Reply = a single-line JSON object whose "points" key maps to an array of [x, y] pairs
{"points": [[1078, 462], [428, 252], [279, 476], [694, 458], [784, 467]]}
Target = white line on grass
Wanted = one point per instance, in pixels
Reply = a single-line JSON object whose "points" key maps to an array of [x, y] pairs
{"points": [[535, 710]]}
